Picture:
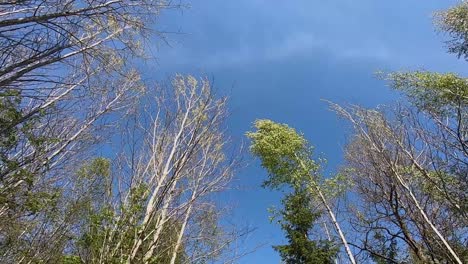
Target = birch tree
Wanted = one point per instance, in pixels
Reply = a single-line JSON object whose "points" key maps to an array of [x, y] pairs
{"points": [[453, 22], [409, 164], [64, 67], [401, 186], [287, 157], [160, 207]]}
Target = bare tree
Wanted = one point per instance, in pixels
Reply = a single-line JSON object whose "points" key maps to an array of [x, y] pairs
{"points": [[405, 195], [172, 163], [64, 67]]}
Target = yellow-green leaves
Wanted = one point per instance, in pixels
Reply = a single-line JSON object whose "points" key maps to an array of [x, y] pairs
{"points": [[287, 157], [337, 185], [275, 138], [433, 92], [454, 21], [284, 153], [97, 167]]}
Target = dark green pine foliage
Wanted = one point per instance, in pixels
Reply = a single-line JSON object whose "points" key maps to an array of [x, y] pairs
{"points": [[298, 218]]}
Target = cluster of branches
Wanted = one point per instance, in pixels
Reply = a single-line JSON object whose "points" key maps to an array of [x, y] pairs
{"points": [[63, 68], [67, 85], [409, 175], [155, 206], [404, 180], [409, 164]]}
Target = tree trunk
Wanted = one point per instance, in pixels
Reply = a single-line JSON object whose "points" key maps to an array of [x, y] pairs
{"points": [[336, 224], [182, 228], [333, 218], [426, 218]]}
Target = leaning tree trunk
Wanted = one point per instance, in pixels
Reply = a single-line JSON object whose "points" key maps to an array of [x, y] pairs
{"points": [[182, 228], [336, 224], [333, 218], [426, 218]]}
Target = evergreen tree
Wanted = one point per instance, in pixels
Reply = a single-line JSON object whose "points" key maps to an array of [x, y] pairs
{"points": [[298, 218]]}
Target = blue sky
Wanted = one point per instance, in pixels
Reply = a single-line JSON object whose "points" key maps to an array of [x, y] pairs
{"points": [[278, 59]]}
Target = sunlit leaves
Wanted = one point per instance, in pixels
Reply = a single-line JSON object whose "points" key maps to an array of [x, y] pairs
{"points": [[287, 156], [454, 21], [98, 167], [432, 92], [283, 152]]}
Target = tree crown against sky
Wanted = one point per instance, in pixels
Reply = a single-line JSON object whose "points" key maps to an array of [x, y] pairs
{"points": [[406, 168]]}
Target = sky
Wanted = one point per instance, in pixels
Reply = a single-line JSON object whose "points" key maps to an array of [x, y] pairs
{"points": [[280, 59]]}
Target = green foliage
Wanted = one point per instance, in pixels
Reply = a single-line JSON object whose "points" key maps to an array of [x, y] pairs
{"points": [[39, 201], [337, 185], [298, 218], [106, 226], [71, 260], [19, 173], [98, 167], [22, 200], [454, 21], [284, 153], [163, 252], [434, 179], [9, 114], [93, 239], [432, 92], [287, 157]]}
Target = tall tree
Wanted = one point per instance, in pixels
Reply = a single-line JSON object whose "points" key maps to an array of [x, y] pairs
{"points": [[159, 208], [65, 65], [287, 157], [409, 164], [298, 220], [400, 188]]}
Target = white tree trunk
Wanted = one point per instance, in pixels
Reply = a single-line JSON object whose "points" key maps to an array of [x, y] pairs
{"points": [[162, 219], [336, 224], [333, 218], [151, 203], [426, 218], [182, 229]]}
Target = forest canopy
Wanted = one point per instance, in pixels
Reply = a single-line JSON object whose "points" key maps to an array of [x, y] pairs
{"points": [[100, 165]]}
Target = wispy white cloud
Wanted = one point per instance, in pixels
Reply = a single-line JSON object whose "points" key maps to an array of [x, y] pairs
{"points": [[226, 34], [297, 44]]}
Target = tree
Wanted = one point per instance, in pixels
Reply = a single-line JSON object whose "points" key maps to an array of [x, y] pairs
{"points": [[65, 66], [409, 163], [454, 22], [287, 157], [390, 165], [157, 208], [298, 219], [152, 204], [407, 191], [181, 162]]}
